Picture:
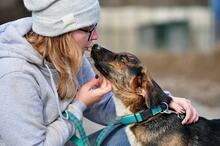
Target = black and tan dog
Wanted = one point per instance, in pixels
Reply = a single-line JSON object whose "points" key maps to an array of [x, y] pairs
{"points": [[135, 90]]}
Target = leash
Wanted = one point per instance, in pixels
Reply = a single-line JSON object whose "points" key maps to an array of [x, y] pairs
{"points": [[83, 140], [126, 120]]}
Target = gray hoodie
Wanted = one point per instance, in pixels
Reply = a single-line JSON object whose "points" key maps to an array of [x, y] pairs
{"points": [[30, 110]]}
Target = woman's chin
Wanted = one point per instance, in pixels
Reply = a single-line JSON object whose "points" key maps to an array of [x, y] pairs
{"points": [[84, 50], [90, 46]]}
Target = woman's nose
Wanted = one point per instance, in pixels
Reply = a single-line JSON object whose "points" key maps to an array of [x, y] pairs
{"points": [[95, 35]]}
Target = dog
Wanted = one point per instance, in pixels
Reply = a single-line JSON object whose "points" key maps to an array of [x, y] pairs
{"points": [[135, 90]]}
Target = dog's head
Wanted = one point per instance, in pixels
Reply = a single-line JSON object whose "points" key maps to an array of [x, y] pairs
{"points": [[131, 81]]}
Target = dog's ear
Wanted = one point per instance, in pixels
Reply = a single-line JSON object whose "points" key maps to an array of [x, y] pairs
{"points": [[142, 83], [156, 95], [148, 89]]}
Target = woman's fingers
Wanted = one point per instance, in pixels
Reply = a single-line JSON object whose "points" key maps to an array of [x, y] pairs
{"points": [[104, 88], [176, 107], [191, 113], [194, 116], [93, 91], [188, 114], [92, 83], [183, 105]]}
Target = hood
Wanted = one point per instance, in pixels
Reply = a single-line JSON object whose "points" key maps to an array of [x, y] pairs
{"points": [[13, 43]]}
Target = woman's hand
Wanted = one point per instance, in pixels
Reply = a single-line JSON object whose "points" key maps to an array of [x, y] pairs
{"points": [[92, 91], [181, 105]]}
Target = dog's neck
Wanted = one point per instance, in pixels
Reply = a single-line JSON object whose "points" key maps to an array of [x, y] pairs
{"points": [[126, 107], [121, 109], [129, 102]]}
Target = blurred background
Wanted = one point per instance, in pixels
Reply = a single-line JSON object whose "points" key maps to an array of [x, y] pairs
{"points": [[177, 40]]}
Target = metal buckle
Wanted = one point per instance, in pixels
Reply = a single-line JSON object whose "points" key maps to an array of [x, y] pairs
{"points": [[181, 115], [167, 107], [167, 111], [65, 115]]}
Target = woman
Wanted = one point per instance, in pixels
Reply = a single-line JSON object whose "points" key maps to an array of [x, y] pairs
{"points": [[43, 73]]}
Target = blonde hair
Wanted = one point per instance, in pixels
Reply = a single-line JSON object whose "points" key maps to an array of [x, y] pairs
{"points": [[63, 52]]}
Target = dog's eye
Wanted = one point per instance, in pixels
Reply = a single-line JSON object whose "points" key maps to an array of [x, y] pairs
{"points": [[123, 58]]}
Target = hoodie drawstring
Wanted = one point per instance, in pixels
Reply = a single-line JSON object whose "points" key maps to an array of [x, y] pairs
{"points": [[55, 92]]}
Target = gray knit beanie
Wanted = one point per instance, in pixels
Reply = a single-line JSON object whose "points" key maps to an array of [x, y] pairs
{"points": [[55, 17]]}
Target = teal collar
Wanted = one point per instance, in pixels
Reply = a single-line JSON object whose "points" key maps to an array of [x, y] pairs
{"points": [[142, 115]]}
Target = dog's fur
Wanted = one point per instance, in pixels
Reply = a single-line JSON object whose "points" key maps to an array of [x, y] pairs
{"points": [[135, 90]]}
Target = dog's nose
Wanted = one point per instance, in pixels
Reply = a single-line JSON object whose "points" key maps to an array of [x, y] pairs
{"points": [[96, 46]]}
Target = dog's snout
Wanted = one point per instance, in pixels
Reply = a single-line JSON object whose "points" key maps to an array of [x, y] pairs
{"points": [[96, 46], [100, 53], [95, 53]]}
